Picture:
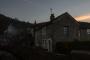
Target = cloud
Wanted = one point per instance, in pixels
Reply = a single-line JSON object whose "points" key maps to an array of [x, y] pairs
{"points": [[83, 17]]}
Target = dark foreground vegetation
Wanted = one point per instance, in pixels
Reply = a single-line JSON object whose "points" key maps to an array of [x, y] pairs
{"points": [[67, 47], [21, 52]]}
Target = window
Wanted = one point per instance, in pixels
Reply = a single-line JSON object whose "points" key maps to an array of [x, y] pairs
{"points": [[66, 30], [88, 31]]}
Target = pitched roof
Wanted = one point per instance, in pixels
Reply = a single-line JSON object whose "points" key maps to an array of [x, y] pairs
{"points": [[64, 15]]}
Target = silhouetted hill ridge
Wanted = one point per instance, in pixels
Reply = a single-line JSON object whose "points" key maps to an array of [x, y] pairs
{"points": [[5, 21]]}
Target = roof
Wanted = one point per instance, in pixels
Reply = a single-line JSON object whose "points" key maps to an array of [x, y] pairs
{"points": [[66, 14], [40, 25], [84, 25]]}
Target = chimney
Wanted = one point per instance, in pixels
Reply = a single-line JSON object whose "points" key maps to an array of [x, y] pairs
{"points": [[52, 15]]}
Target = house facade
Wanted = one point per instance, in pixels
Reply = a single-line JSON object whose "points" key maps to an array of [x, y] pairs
{"points": [[84, 29], [61, 29]]}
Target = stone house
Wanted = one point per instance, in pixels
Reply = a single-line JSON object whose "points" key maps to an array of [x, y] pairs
{"points": [[61, 29]]}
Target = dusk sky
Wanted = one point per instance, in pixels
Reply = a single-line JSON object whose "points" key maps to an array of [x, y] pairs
{"points": [[39, 10]]}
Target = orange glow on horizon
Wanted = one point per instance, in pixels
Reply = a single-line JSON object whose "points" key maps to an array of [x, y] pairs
{"points": [[83, 17]]}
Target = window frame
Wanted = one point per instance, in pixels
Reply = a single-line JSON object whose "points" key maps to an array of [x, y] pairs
{"points": [[66, 30]]}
